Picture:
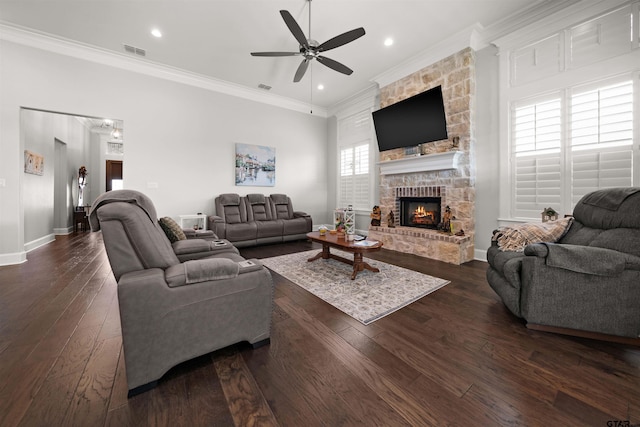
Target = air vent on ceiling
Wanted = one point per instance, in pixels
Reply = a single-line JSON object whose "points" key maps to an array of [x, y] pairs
{"points": [[263, 86], [135, 50]]}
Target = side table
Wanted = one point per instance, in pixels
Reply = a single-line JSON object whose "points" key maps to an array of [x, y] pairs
{"points": [[80, 217], [195, 221]]}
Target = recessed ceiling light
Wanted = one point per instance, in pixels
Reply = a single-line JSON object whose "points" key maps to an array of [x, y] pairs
{"points": [[156, 33], [320, 87], [388, 41]]}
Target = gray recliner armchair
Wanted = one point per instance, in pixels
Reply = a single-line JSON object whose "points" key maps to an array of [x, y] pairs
{"points": [[172, 311], [588, 282]]}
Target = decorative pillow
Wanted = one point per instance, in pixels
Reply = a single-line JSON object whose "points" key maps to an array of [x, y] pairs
{"points": [[517, 237], [171, 229]]}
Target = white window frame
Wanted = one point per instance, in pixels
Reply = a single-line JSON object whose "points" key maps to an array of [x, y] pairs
{"points": [[351, 134], [365, 177], [566, 80]]}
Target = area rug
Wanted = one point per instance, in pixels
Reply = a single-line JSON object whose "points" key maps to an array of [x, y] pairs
{"points": [[369, 297]]}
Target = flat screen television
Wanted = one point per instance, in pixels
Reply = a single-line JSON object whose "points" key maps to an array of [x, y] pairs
{"points": [[412, 121]]}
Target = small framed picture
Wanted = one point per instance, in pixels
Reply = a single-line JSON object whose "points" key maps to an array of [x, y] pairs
{"points": [[33, 163]]}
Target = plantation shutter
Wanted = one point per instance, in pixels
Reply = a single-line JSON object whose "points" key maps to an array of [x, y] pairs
{"points": [[354, 177], [354, 186], [346, 177], [361, 177], [601, 139], [536, 159]]}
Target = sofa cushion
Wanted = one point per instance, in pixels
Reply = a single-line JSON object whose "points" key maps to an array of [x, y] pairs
{"points": [[579, 234], [610, 198], [171, 229], [282, 206], [242, 231], [270, 228], [296, 226], [229, 199], [626, 201], [232, 214], [625, 240], [258, 208], [256, 199]]}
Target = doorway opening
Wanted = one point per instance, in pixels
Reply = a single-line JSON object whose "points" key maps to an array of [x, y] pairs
{"points": [[114, 175]]}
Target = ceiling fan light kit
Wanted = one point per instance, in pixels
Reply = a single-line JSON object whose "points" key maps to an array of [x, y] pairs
{"points": [[310, 49]]}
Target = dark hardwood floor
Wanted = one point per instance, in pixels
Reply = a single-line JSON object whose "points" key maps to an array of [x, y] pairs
{"points": [[455, 357]]}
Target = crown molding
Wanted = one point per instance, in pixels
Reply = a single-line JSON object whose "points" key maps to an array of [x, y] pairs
{"points": [[519, 20], [47, 42], [357, 102], [572, 13], [469, 37], [475, 36]]}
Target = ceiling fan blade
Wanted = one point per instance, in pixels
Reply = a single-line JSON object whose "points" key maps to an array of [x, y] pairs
{"points": [[342, 39], [294, 28], [302, 68], [334, 65], [275, 53]]}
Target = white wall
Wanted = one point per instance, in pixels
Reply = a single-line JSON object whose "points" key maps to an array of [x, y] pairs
{"points": [[39, 130], [487, 149], [179, 137]]}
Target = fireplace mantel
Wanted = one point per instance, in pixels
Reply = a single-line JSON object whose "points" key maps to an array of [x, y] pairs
{"points": [[429, 162]]}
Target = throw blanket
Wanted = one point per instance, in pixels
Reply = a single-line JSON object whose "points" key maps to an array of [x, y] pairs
{"points": [[515, 238]]}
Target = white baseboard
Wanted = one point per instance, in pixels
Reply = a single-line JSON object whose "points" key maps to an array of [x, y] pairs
{"points": [[62, 231], [34, 244], [13, 258], [480, 255]]}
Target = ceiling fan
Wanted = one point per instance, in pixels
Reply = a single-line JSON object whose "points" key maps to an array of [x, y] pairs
{"points": [[310, 49]]}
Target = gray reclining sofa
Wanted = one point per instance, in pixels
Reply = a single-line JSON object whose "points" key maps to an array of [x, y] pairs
{"points": [[588, 282], [173, 310], [258, 219]]}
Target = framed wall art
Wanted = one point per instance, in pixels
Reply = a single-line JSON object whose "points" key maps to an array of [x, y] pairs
{"points": [[33, 163], [255, 165]]}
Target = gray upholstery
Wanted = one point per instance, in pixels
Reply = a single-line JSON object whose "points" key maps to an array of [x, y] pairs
{"points": [[258, 219], [589, 280], [173, 311]]}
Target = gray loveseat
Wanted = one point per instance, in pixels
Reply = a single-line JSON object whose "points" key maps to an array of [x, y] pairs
{"points": [[258, 219], [588, 282], [172, 311]]}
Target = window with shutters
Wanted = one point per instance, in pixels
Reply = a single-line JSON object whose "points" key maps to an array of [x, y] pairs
{"points": [[570, 96], [354, 177], [537, 134], [571, 143], [354, 150], [601, 138]]}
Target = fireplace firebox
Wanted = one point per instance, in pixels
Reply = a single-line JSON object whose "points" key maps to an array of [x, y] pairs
{"points": [[421, 212]]}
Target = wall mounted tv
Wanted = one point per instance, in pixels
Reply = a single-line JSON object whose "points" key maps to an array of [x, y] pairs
{"points": [[412, 121]]}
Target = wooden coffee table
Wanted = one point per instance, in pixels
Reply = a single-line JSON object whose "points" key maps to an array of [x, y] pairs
{"points": [[332, 241]]}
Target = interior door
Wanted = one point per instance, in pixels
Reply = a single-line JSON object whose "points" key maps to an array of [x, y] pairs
{"points": [[114, 175]]}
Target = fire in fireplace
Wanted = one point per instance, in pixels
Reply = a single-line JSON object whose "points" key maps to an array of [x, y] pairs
{"points": [[422, 212]]}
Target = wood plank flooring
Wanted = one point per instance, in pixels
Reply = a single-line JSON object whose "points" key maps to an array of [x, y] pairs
{"points": [[455, 357]]}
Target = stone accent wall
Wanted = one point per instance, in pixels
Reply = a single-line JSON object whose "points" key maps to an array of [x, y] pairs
{"points": [[456, 75]]}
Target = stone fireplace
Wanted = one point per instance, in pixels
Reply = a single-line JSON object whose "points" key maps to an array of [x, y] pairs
{"points": [[442, 175]]}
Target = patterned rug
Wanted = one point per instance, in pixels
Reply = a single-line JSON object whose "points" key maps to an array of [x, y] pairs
{"points": [[369, 297]]}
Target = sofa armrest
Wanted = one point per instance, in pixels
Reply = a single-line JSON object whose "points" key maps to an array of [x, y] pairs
{"points": [[191, 249], [218, 226], [201, 270], [190, 233], [584, 259], [300, 214], [207, 270]]}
